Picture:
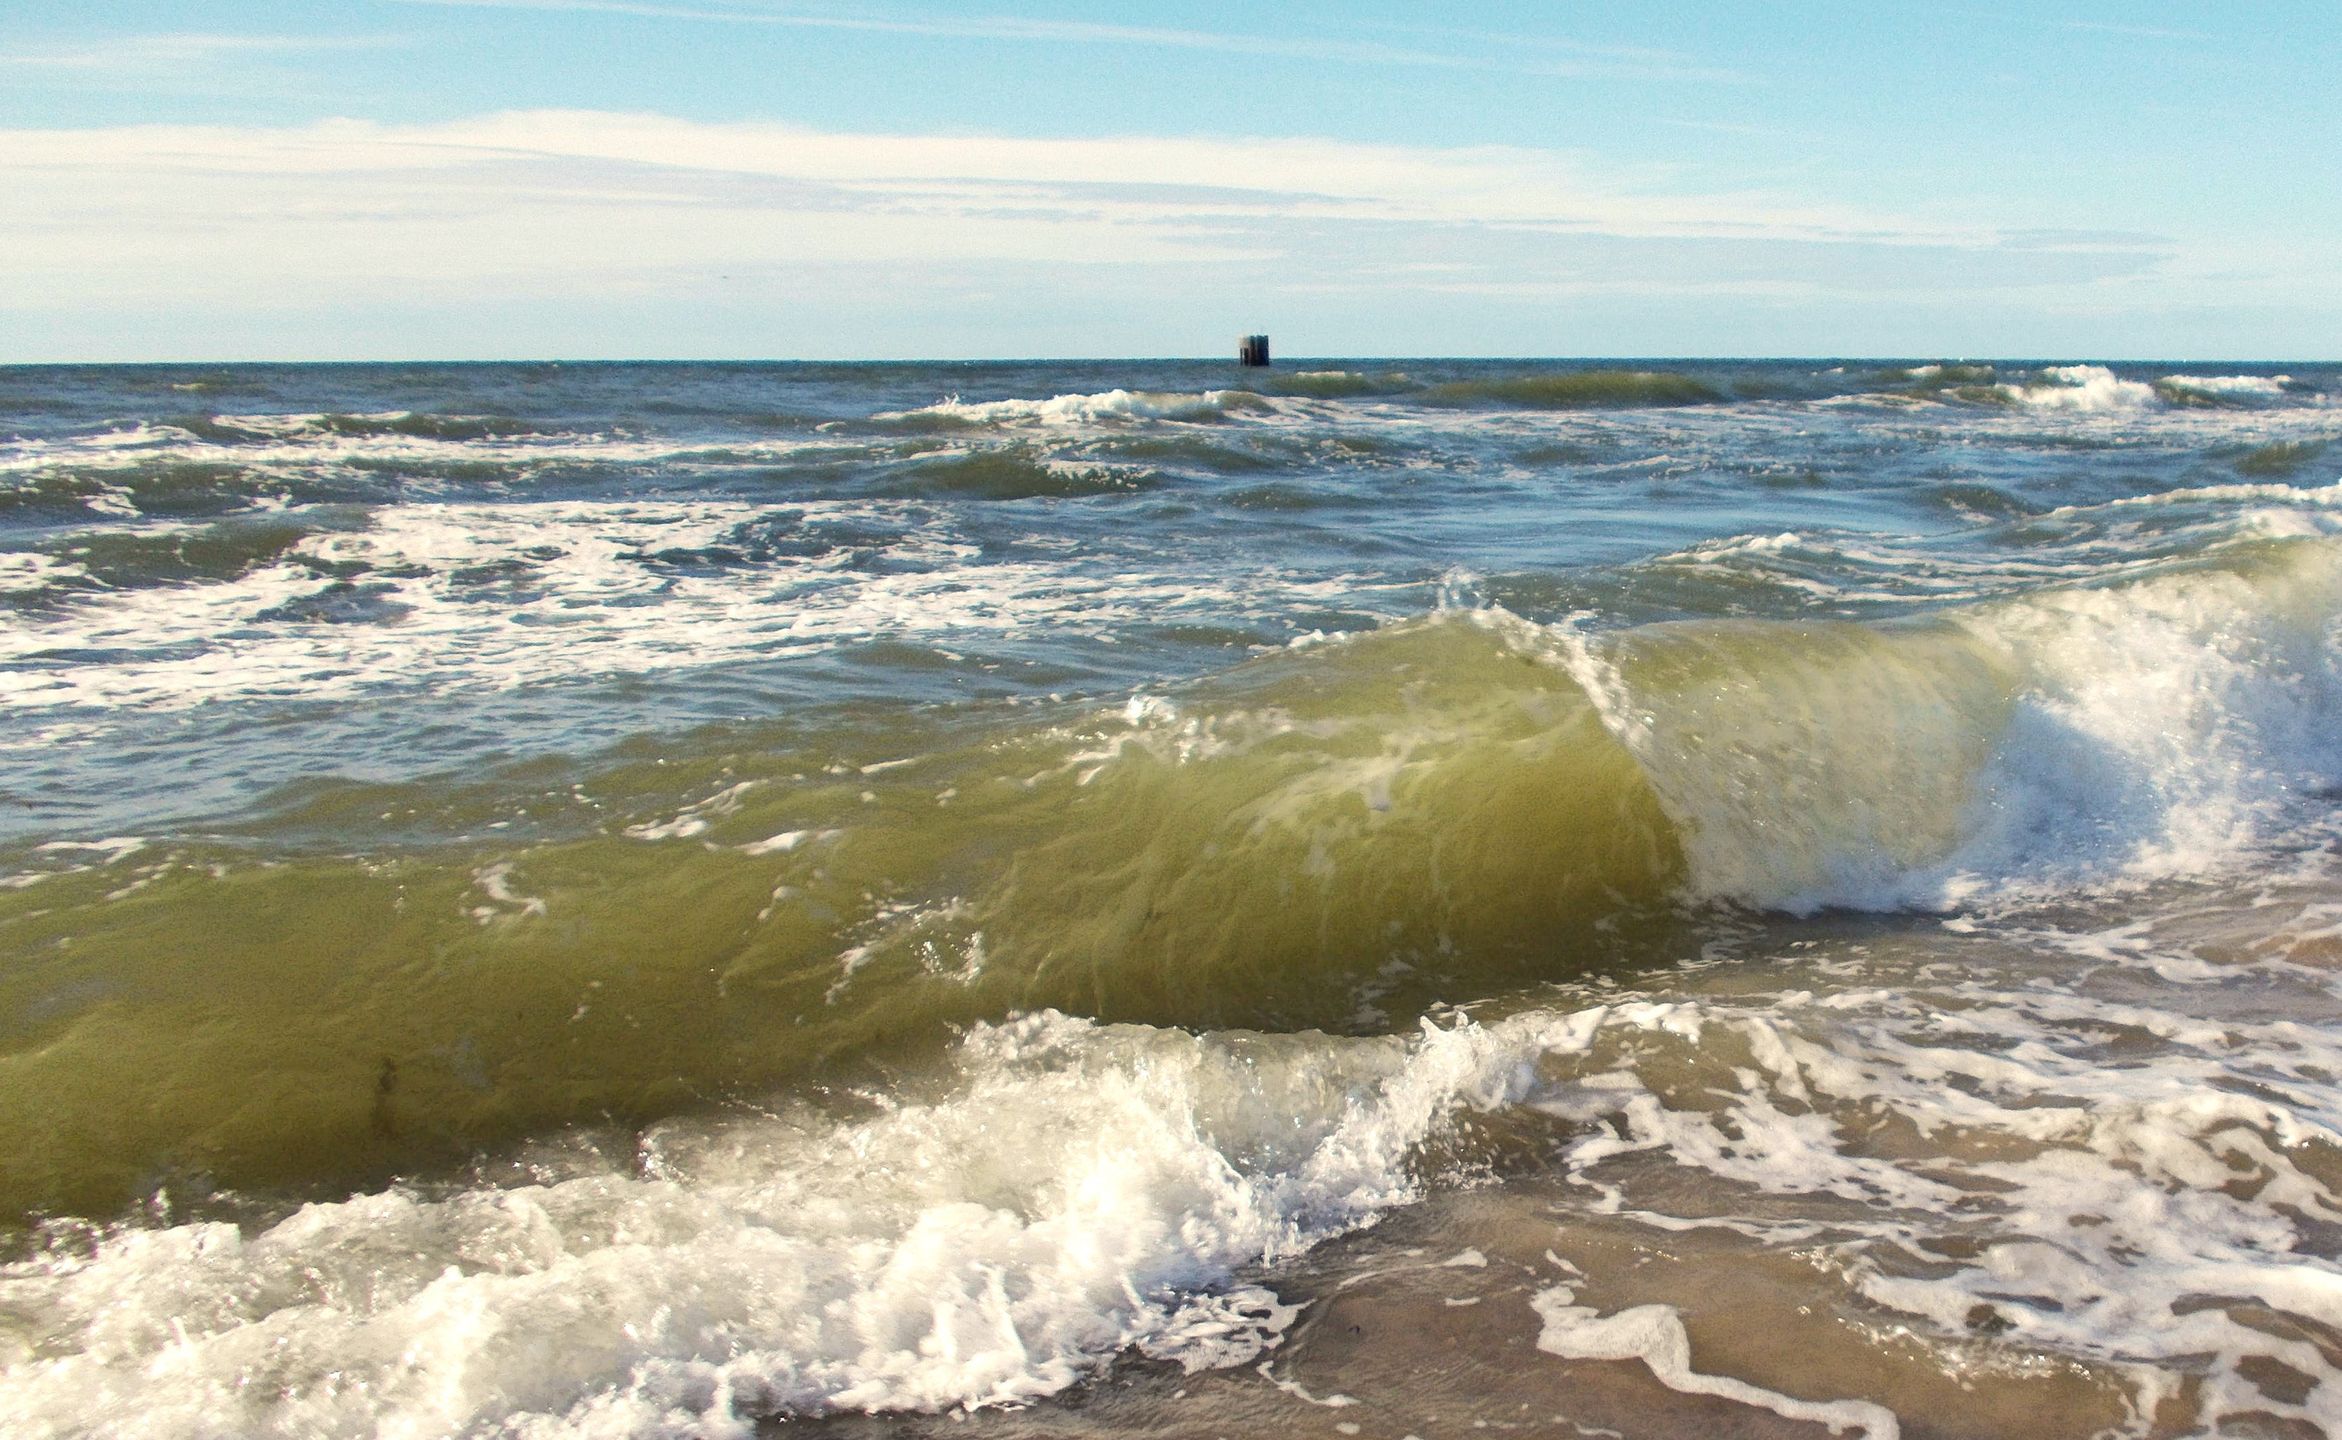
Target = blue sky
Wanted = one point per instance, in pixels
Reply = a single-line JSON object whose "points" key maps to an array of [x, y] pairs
{"points": [[757, 178]]}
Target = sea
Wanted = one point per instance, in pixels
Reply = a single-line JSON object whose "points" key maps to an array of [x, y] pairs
{"points": [[1090, 899]]}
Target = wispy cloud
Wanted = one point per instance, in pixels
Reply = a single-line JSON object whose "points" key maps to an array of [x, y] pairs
{"points": [[576, 212], [175, 50], [1513, 54], [1625, 61], [1128, 180], [1756, 132], [2141, 32]]}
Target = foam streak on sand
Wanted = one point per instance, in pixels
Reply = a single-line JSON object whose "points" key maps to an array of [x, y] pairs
{"points": [[1654, 1335]]}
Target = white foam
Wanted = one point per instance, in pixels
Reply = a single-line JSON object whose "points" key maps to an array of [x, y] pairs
{"points": [[494, 882], [694, 819], [1844, 568], [2088, 388], [2258, 386], [1079, 1190], [2058, 740], [787, 841], [289, 449], [2114, 1197], [122, 445], [1654, 1334], [26, 570], [1085, 1189], [1085, 409], [113, 848], [583, 596], [2165, 726]]}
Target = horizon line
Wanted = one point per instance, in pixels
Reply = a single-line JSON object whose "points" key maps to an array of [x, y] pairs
{"points": [[1284, 361]]}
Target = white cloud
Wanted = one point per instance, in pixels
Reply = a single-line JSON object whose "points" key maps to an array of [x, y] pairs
{"points": [[506, 164], [570, 213], [1513, 54], [137, 53], [2140, 32]]}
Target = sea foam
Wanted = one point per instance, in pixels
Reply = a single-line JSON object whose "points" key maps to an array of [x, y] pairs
{"points": [[582, 588], [1080, 1191], [2053, 740], [2258, 387], [1089, 409], [1083, 1190], [2088, 388]]}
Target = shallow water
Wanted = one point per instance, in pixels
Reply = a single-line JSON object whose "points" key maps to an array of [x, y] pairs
{"points": [[1156, 899]]}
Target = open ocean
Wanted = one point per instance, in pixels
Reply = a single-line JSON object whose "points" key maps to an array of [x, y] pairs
{"points": [[1149, 899]]}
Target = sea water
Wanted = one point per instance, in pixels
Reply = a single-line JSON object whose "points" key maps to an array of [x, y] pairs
{"points": [[1152, 899]]}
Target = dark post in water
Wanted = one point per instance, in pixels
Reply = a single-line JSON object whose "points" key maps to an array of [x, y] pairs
{"points": [[1253, 350]]}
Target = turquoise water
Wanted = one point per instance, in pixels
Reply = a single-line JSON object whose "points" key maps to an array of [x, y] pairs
{"points": [[640, 899]]}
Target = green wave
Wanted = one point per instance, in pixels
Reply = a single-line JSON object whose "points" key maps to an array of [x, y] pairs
{"points": [[1307, 836], [1010, 475], [2279, 457], [163, 488], [224, 550], [1338, 384], [1579, 390], [411, 424], [1326, 837], [1197, 452]]}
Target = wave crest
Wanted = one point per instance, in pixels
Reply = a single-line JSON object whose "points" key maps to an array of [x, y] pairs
{"points": [[1103, 407], [1579, 390]]}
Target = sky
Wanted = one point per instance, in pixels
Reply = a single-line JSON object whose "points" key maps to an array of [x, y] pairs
{"points": [[485, 179]]}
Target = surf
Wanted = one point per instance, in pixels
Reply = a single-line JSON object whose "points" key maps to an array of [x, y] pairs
{"points": [[1320, 838]]}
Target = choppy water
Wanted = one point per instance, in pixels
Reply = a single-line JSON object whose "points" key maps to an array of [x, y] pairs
{"points": [[1156, 899]]}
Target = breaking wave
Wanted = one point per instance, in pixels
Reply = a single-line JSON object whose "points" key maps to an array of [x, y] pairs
{"points": [[1084, 1190], [1530, 800], [1107, 407], [2088, 388], [540, 931], [1578, 390], [2222, 389], [1963, 1160]]}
